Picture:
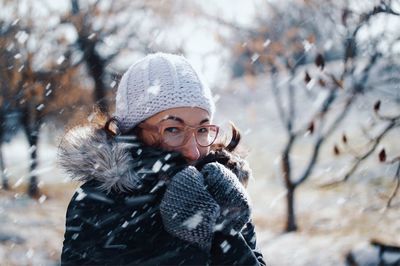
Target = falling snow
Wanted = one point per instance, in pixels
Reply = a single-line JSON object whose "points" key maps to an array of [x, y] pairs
{"points": [[60, 60], [254, 57], [332, 222], [91, 36], [192, 222], [40, 107], [22, 37], [125, 224], [154, 90], [266, 43], [80, 194], [157, 166], [42, 199], [225, 246]]}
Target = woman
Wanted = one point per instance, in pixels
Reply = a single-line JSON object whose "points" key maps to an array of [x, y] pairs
{"points": [[158, 189]]}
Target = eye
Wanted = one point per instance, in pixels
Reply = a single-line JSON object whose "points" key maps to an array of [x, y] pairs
{"points": [[203, 130], [172, 130]]}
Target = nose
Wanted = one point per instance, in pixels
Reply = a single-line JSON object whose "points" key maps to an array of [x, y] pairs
{"points": [[190, 150]]}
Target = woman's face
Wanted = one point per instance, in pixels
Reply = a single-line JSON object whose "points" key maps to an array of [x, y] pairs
{"points": [[176, 117]]}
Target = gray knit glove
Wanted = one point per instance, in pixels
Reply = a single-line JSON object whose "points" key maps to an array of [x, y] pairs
{"points": [[188, 210], [230, 195]]}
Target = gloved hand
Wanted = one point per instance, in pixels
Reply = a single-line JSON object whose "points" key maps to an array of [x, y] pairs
{"points": [[230, 160], [188, 210], [229, 193]]}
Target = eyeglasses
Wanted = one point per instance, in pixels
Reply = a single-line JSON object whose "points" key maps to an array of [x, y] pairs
{"points": [[178, 135]]}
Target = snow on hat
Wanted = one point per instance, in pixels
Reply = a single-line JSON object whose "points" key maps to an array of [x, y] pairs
{"points": [[156, 83]]}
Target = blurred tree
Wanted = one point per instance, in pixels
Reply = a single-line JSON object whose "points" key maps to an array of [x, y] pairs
{"points": [[6, 60], [108, 29], [29, 89], [53, 62], [332, 35]]}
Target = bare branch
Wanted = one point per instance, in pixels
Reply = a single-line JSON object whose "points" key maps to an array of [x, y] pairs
{"points": [[396, 187], [311, 164], [286, 163], [361, 158], [291, 107], [339, 118], [390, 118], [230, 25], [278, 100]]}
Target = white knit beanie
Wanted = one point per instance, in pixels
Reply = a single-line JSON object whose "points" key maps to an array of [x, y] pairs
{"points": [[156, 83]]}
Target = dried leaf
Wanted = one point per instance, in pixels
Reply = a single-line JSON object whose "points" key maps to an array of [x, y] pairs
{"points": [[311, 127], [320, 61], [382, 155], [322, 83], [336, 150], [344, 138], [377, 106], [307, 78]]}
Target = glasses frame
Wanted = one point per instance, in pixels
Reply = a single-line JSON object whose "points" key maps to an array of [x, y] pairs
{"points": [[189, 131]]}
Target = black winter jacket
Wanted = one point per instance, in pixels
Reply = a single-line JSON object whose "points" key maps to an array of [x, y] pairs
{"points": [[114, 218]]}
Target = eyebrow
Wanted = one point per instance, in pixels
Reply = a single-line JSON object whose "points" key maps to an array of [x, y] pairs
{"points": [[180, 120]]}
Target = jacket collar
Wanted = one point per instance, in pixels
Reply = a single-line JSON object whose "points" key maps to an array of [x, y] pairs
{"points": [[86, 153]]}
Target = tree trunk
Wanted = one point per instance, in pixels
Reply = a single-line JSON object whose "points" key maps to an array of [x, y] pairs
{"points": [[31, 125], [291, 224], [96, 67], [100, 93], [4, 178], [290, 186], [94, 62], [33, 189]]}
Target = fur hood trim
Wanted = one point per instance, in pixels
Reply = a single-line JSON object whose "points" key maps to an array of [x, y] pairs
{"points": [[86, 154]]}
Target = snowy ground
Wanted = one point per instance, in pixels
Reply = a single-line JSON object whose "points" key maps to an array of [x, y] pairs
{"points": [[332, 222], [32, 231]]}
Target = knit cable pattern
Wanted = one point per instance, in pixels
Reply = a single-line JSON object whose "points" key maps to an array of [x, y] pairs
{"points": [[188, 210], [156, 83], [225, 187]]}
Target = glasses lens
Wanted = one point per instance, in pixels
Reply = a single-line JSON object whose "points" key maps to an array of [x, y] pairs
{"points": [[206, 135], [174, 136], [177, 136]]}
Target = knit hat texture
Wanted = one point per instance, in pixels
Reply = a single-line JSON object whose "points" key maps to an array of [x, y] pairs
{"points": [[156, 83]]}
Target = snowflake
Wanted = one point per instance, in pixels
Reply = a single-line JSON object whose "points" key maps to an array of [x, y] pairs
{"points": [[193, 221]]}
